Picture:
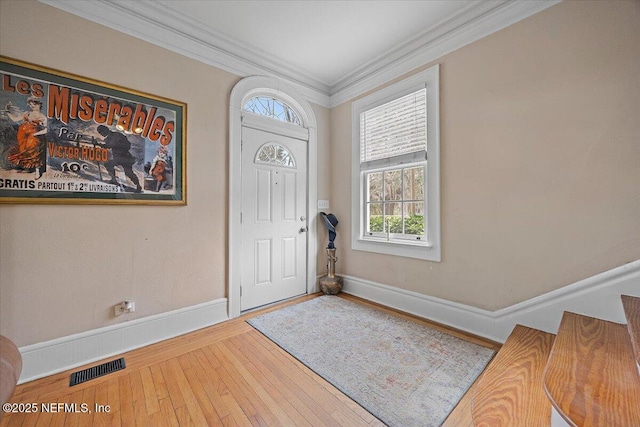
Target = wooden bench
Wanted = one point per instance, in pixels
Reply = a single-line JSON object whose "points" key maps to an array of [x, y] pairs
{"points": [[591, 377], [510, 392]]}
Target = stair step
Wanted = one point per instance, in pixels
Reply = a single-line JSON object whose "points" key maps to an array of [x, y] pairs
{"points": [[591, 377], [510, 391], [632, 312]]}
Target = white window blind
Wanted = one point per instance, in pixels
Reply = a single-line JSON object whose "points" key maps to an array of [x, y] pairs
{"points": [[395, 132]]}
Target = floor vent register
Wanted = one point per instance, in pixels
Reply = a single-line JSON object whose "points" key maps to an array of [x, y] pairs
{"points": [[96, 371]]}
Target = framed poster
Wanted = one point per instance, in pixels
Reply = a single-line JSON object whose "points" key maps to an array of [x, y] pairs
{"points": [[70, 139]]}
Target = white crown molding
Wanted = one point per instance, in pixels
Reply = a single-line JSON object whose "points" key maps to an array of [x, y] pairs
{"points": [[166, 27], [459, 31], [420, 41]]}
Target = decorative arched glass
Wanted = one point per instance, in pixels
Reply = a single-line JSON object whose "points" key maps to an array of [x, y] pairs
{"points": [[272, 107], [275, 155]]}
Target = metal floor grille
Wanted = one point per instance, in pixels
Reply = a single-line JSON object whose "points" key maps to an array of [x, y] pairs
{"points": [[96, 371]]}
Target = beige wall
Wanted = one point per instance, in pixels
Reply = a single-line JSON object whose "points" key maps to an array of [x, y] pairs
{"points": [[323, 118], [62, 268], [540, 160], [540, 172]]}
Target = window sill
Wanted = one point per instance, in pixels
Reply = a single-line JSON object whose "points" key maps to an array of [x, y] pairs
{"points": [[402, 242], [407, 249]]}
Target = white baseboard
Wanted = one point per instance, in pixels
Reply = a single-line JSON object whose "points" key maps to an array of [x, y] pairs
{"points": [[50, 357], [597, 296]]}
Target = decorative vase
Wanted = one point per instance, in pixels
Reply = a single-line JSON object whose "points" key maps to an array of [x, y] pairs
{"points": [[331, 284]]}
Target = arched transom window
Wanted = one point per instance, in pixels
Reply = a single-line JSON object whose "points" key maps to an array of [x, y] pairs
{"points": [[275, 155], [271, 107]]}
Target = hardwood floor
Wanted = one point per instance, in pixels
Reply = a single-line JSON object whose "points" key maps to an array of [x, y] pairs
{"points": [[224, 375]]}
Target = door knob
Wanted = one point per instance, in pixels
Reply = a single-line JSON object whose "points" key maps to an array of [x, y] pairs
{"points": [[304, 229]]}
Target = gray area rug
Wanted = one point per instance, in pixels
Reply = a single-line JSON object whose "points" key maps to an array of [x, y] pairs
{"points": [[403, 373]]}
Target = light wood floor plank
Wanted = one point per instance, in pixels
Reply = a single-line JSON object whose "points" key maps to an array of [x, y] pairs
{"points": [[214, 388], [159, 384], [102, 419], [268, 395], [168, 413], [172, 386], [125, 399], [257, 412], [294, 376], [74, 419], [218, 390], [269, 384], [113, 394], [61, 418], [139, 404], [20, 418], [270, 376], [191, 402], [210, 413], [149, 389], [183, 417], [268, 345]]}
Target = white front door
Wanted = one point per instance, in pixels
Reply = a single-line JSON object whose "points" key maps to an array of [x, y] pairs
{"points": [[274, 218]]}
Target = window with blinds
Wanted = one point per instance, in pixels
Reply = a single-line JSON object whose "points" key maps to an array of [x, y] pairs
{"points": [[393, 146], [395, 202], [394, 132]]}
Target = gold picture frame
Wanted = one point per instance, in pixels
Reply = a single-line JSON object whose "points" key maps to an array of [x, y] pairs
{"points": [[70, 139]]}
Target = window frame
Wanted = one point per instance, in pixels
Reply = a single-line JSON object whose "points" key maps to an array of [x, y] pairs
{"points": [[273, 161], [376, 235], [276, 100], [430, 249]]}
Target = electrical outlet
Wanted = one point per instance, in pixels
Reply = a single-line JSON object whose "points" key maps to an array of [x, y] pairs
{"points": [[126, 306]]}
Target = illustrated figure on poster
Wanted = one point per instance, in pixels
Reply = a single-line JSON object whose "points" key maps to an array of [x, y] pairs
{"points": [[120, 156], [160, 167], [29, 154]]}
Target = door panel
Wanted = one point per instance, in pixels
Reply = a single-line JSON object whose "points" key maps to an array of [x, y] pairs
{"points": [[263, 196], [289, 192], [263, 261], [288, 257], [274, 238]]}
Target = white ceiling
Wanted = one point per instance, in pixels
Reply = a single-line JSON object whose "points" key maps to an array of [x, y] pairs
{"points": [[326, 40], [330, 50]]}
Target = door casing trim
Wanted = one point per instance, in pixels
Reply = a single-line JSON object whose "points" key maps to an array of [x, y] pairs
{"points": [[240, 92]]}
